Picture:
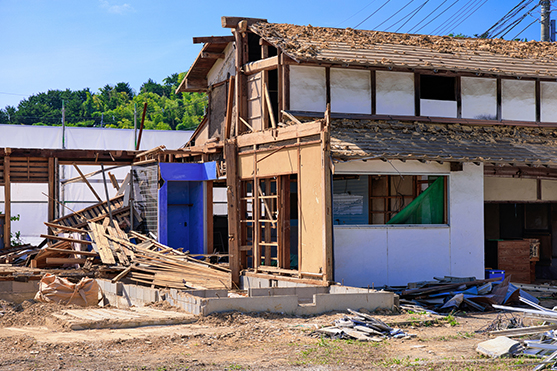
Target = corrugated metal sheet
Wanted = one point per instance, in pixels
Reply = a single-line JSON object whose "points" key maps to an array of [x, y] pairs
{"points": [[374, 48], [352, 139]]}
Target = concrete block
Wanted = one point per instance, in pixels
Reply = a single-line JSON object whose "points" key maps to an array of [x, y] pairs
{"points": [[501, 346], [273, 304]]}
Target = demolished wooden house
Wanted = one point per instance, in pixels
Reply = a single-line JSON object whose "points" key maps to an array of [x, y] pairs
{"points": [[375, 158]]}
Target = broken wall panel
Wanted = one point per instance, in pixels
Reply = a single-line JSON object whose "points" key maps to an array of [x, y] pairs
{"points": [[437, 108], [281, 162], [479, 98], [395, 93], [308, 91], [217, 110], [350, 91], [518, 100]]}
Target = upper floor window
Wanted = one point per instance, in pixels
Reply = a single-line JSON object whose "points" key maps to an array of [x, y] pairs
{"points": [[438, 96]]}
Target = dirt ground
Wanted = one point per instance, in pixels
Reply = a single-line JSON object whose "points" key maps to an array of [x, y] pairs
{"points": [[30, 339]]}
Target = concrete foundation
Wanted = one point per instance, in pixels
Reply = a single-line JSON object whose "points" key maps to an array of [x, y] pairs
{"points": [[17, 292], [302, 300]]}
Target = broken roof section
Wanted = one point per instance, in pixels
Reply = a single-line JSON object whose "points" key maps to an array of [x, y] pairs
{"points": [[384, 49], [357, 139]]}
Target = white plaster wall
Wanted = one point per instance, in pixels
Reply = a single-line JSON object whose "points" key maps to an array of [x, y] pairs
{"points": [[395, 93], [308, 90], [466, 220], [395, 255], [518, 100], [479, 98], [549, 101], [437, 108], [350, 91], [510, 189]]}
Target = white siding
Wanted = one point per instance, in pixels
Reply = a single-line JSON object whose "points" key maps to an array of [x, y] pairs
{"points": [[308, 90], [350, 91], [395, 93]]}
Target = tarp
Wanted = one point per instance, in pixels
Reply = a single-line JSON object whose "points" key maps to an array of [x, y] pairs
{"points": [[427, 208], [60, 290]]}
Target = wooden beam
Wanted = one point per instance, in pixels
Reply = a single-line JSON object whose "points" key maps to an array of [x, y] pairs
{"points": [[114, 181], [208, 55], [270, 107], [51, 188], [71, 251], [270, 63], [64, 228], [233, 198], [141, 127], [61, 261], [7, 203], [66, 239], [229, 106], [87, 182], [213, 39], [232, 22]]}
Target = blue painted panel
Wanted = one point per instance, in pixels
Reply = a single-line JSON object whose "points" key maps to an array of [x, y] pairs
{"points": [[181, 215], [188, 172]]}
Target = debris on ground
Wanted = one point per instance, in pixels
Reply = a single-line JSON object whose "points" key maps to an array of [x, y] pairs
{"points": [[362, 327], [449, 294]]}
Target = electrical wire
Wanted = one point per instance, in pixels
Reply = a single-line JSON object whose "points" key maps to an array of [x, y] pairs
{"points": [[398, 11], [372, 14], [465, 16], [509, 15], [438, 15], [358, 12], [524, 29], [510, 27], [423, 19], [451, 18], [403, 18], [415, 12]]}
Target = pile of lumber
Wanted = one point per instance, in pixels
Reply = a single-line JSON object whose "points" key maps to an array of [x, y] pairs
{"points": [[137, 257]]}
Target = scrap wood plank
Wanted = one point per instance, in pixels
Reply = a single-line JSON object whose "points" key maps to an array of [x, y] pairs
{"points": [[101, 243], [61, 261], [63, 228], [118, 249], [71, 251], [65, 239]]}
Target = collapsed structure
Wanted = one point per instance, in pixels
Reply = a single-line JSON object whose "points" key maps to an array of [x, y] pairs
{"points": [[373, 158]]}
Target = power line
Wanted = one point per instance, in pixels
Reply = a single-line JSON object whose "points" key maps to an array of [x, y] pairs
{"points": [[524, 29], [398, 11], [423, 19], [416, 12], [358, 12], [450, 19], [438, 15], [511, 26], [464, 17], [403, 18], [372, 14], [509, 15]]}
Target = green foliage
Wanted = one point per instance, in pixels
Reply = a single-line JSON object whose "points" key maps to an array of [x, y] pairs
{"points": [[113, 106]]}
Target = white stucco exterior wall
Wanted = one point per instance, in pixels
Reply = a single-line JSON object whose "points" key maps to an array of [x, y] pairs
{"points": [[378, 255]]}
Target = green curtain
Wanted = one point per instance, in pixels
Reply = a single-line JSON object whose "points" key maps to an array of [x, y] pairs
{"points": [[427, 208]]}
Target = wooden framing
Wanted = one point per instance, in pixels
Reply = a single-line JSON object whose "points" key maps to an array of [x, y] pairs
{"points": [[32, 165]]}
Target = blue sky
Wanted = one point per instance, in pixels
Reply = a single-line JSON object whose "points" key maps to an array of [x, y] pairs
{"points": [[69, 44]]}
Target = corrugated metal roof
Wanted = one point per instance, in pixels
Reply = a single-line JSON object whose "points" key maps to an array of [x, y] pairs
{"points": [[352, 139], [374, 48]]}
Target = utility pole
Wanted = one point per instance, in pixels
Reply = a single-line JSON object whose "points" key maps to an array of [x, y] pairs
{"points": [[545, 19]]}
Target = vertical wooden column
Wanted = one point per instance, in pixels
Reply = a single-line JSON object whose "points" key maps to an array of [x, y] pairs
{"points": [[284, 221], [51, 190], [210, 242], [233, 196], [327, 205], [7, 203]]}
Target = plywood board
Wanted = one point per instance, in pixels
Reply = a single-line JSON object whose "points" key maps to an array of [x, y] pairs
{"points": [[311, 218], [270, 163]]}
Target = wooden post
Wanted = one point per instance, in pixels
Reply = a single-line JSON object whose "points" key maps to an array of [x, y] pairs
{"points": [[51, 191], [141, 127], [233, 197], [229, 106], [87, 182], [327, 206], [7, 203], [284, 221]]}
